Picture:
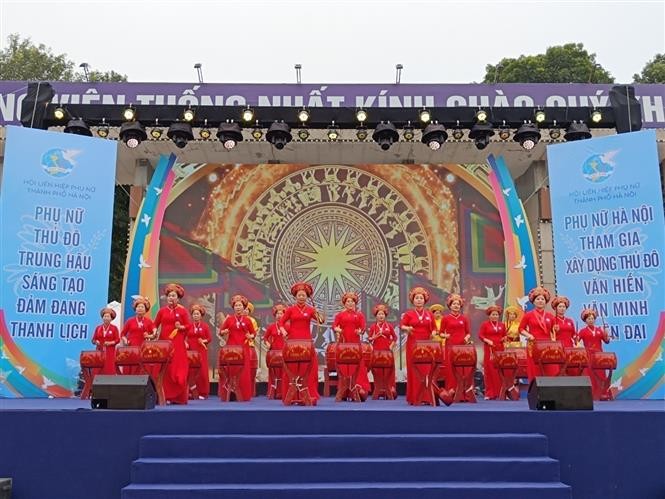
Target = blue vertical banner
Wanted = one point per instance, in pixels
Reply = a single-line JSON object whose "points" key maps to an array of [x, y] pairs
{"points": [[56, 210], [607, 208]]}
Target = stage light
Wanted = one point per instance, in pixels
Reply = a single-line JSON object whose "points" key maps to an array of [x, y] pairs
{"points": [[78, 127], [481, 116], [129, 113], [555, 133], [361, 115], [188, 115], [361, 133], [596, 116], [103, 129], [434, 136], [480, 134], [279, 134], [303, 115], [156, 132], [385, 134], [504, 132], [424, 115], [577, 131], [180, 133], [539, 116], [528, 136], [408, 133], [59, 113], [248, 115], [303, 134], [205, 132], [333, 132], [132, 133], [257, 133], [229, 134]]}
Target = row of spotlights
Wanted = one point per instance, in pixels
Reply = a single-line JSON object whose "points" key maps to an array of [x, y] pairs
{"points": [[248, 115], [279, 133]]}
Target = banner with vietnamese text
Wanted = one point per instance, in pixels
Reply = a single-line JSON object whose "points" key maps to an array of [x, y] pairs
{"points": [[607, 208], [56, 210]]}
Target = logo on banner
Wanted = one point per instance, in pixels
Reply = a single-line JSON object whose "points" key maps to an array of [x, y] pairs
{"points": [[59, 162], [599, 167]]}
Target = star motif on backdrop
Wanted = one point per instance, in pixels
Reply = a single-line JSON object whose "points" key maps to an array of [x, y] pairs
{"points": [[331, 261]]}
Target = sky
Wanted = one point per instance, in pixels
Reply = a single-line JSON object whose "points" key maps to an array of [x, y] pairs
{"points": [[345, 41]]}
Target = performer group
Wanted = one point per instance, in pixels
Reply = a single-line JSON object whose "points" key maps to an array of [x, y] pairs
{"points": [[440, 354]]}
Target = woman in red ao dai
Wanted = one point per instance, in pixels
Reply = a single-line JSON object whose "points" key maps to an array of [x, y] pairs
{"points": [[198, 338], [137, 329], [106, 337], [492, 333], [173, 322], [349, 325], [418, 323]]}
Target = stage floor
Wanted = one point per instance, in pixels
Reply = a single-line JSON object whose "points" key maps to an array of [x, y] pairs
{"points": [[601, 452], [325, 404]]}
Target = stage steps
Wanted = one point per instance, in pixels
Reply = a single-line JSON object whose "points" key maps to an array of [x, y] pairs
{"points": [[386, 466]]}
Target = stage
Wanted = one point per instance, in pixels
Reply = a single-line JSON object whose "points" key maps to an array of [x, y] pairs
{"points": [[376, 449]]}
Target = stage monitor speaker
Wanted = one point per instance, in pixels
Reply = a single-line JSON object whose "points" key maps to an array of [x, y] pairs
{"points": [[560, 393], [5, 488], [627, 109], [33, 108], [123, 392]]}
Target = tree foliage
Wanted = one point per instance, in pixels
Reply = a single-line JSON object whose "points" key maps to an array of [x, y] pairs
{"points": [[569, 63], [24, 60], [653, 71]]}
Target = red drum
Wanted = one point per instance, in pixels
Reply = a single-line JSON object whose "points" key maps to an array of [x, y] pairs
{"points": [[382, 359], [231, 355], [156, 352], [507, 363], [424, 357], [253, 358], [274, 359], [298, 355], [505, 360], [463, 356], [426, 352], [128, 356], [297, 351], [367, 352], [349, 353], [520, 353], [331, 350], [603, 360], [577, 358], [549, 352], [92, 359], [194, 358]]}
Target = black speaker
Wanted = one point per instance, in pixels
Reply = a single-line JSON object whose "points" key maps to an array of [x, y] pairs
{"points": [[33, 108], [560, 393], [627, 109], [5, 488], [123, 392]]}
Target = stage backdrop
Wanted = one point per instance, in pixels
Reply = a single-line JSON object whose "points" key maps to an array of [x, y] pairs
{"points": [[377, 229], [607, 209], [56, 209]]}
